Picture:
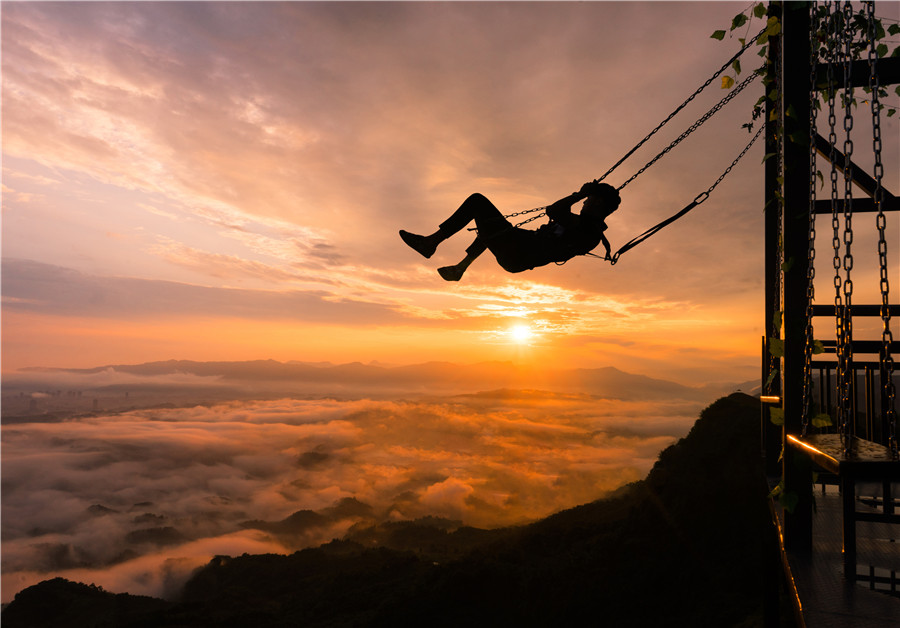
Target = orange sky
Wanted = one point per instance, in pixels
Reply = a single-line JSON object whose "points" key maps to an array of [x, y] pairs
{"points": [[226, 181]]}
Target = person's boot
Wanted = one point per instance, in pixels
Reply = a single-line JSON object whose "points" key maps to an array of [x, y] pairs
{"points": [[423, 245], [451, 273]]}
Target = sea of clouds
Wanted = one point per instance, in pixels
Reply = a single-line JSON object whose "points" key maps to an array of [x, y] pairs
{"points": [[135, 501]]}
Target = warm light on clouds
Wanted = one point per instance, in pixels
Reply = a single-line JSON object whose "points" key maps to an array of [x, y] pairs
{"points": [[135, 501]]}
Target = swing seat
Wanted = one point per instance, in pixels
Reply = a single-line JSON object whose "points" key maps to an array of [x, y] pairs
{"points": [[862, 461]]}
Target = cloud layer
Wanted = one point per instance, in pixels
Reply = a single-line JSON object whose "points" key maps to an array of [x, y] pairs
{"points": [[135, 501]]}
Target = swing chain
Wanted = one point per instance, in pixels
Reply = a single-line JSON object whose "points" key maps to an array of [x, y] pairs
{"points": [[834, 40], [724, 67], [705, 195], [737, 90], [887, 338], [844, 348], [811, 248]]}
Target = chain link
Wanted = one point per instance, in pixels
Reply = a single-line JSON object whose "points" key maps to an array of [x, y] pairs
{"points": [[887, 413], [737, 90], [724, 67], [834, 43], [811, 240], [845, 352]]}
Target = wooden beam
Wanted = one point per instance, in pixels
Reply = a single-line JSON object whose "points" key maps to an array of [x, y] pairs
{"points": [[860, 176], [860, 205], [887, 69], [795, 94], [856, 310]]}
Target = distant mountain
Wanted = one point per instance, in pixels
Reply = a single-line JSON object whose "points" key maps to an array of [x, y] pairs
{"points": [[608, 382], [684, 547]]}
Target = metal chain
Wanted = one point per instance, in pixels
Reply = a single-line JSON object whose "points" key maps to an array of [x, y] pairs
{"points": [[845, 353], [737, 90], [690, 98], [705, 195], [811, 240], [888, 413], [682, 105], [834, 42]]}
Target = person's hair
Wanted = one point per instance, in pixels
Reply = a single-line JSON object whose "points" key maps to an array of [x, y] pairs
{"points": [[609, 195]]}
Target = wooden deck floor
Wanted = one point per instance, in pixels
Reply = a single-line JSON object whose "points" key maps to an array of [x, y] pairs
{"points": [[824, 598]]}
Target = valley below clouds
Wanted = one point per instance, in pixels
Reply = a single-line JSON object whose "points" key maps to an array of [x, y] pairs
{"points": [[134, 499]]}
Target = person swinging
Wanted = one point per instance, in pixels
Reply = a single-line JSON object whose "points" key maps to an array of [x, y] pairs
{"points": [[515, 249]]}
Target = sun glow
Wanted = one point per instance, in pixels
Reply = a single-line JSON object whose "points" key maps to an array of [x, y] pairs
{"points": [[521, 334]]}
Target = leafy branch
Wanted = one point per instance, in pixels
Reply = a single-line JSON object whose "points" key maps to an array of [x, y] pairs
{"points": [[828, 24]]}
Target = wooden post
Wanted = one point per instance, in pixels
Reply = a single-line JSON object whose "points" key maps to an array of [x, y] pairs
{"points": [[771, 434], [795, 93]]}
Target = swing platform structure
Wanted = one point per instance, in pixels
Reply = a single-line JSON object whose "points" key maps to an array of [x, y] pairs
{"points": [[833, 462]]}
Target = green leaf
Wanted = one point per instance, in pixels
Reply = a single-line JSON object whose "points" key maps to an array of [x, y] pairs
{"points": [[891, 112], [791, 112], [720, 35], [897, 89], [787, 265], [799, 137], [771, 377], [789, 500], [777, 318], [737, 66], [768, 157], [776, 416], [762, 51], [760, 10], [817, 347], [763, 39], [727, 82], [773, 26], [822, 420], [882, 50], [821, 179], [893, 29], [776, 347], [739, 20], [779, 488]]}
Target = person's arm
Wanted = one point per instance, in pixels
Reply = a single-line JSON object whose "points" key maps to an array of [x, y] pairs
{"points": [[605, 243], [558, 210]]}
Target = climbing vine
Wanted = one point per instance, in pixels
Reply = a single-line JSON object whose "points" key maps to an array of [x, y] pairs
{"points": [[827, 24]]}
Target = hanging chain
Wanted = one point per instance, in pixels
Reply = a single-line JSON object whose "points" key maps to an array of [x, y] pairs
{"points": [[690, 98], [528, 211], [834, 42], [887, 370], [737, 90], [682, 105], [811, 240], [845, 353]]}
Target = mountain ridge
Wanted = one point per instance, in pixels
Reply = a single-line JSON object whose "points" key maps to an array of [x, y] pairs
{"points": [[684, 546], [606, 381]]}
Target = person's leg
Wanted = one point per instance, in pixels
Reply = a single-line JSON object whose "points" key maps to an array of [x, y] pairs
{"points": [[477, 207], [455, 272]]}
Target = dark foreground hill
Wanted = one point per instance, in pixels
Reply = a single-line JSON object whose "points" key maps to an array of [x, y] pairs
{"points": [[684, 547]]}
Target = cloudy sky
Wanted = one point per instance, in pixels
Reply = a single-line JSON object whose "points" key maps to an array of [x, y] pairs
{"points": [[226, 181]]}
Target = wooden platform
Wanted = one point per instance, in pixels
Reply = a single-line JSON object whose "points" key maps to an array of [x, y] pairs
{"points": [[823, 597]]}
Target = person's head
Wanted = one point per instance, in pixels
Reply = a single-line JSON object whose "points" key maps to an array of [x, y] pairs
{"points": [[601, 202]]}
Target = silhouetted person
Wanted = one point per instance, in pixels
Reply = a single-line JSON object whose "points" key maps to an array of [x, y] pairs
{"points": [[516, 249]]}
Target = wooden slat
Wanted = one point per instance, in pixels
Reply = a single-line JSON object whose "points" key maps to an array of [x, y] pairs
{"points": [[865, 459]]}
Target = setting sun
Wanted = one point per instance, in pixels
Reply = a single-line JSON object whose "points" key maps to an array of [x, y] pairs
{"points": [[521, 334]]}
